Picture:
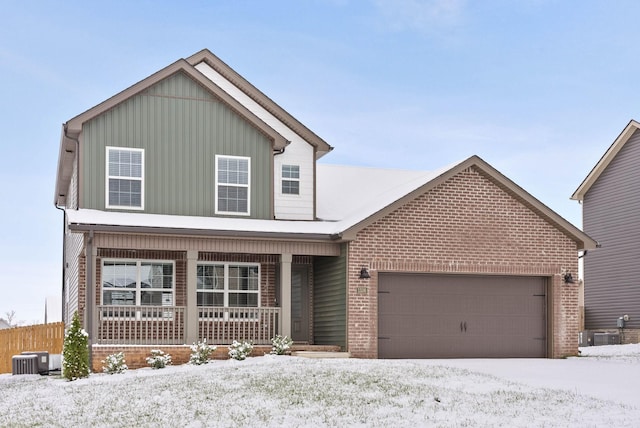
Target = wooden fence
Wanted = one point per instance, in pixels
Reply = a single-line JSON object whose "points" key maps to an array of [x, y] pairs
{"points": [[43, 337]]}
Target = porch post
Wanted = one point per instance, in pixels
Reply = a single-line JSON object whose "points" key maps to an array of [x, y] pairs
{"points": [[191, 312], [285, 294]]}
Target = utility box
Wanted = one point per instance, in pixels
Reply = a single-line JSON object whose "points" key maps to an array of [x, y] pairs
{"points": [[620, 322], [24, 364], [43, 361]]}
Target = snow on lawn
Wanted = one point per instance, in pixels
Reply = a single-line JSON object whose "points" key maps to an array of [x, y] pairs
{"points": [[290, 391]]}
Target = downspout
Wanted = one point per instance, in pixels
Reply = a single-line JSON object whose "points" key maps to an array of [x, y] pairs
{"points": [[64, 259]]}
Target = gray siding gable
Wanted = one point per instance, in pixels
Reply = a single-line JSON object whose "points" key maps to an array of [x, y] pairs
{"points": [[181, 126], [611, 215]]}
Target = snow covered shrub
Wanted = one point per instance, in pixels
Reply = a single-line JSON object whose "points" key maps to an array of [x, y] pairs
{"points": [[158, 359], [114, 363], [75, 351], [240, 350], [281, 345], [201, 353]]}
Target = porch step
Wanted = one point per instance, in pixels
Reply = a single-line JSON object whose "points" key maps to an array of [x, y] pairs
{"points": [[320, 354]]}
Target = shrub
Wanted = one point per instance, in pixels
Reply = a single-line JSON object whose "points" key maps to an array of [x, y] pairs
{"points": [[240, 350], [201, 353], [281, 345], [114, 363], [75, 352], [158, 359]]}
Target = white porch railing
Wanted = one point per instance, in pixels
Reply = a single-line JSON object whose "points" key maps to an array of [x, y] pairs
{"points": [[141, 325], [224, 325], [165, 325]]}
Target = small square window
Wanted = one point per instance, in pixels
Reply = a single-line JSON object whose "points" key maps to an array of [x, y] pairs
{"points": [[291, 179]]}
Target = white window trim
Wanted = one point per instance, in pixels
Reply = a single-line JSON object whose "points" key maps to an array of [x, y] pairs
{"points": [[138, 289], [107, 176], [283, 179], [226, 291], [248, 185]]}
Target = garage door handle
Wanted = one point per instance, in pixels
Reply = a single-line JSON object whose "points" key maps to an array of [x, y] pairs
{"points": [[461, 330], [463, 326]]}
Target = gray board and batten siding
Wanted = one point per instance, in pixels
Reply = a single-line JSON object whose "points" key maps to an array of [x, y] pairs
{"points": [[181, 128], [330, 300], [611, 215]]}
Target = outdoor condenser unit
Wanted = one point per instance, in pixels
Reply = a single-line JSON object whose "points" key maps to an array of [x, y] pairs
{"points": [[606, 339], [43, 361], [24, 364]]}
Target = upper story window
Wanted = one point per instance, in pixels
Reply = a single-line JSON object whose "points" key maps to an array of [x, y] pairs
{"points": [[232, 184], [291, 179], [125, 176]]}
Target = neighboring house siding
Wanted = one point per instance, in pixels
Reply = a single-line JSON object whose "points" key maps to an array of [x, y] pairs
{"points": [[466, 225], [74, 248], [181, 128], [329, 300], [611, 216], [298, 152]]}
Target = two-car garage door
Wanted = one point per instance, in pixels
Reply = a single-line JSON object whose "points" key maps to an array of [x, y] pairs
{"points": [[461, 316]]}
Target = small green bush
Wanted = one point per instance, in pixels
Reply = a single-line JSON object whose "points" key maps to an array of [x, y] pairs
{"points": [[158, 359], [114, 363], [240, 350], [281, 345], [201, 353], [75, 351]]}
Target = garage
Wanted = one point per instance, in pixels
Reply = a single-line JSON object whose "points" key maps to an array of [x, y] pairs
{"points": [[461, 316]]}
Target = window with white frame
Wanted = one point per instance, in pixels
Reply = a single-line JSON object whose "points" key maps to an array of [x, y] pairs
{"points": [[291, 179], [137, 283], [125, 178], [232, 184], [229, 285]]}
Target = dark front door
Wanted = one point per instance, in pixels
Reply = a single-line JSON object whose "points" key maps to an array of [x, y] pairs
{"points": [[300, 303]]}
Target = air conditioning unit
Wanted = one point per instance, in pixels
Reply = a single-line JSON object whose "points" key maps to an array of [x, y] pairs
{"points": [[606, 339], [43, 361], [24, 364], [585, 338]]}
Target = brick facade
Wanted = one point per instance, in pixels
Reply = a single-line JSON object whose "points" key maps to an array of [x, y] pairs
{"points": [[468, 224]]}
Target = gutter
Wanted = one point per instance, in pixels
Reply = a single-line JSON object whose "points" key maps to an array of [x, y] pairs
{"points": [[332, 237]]}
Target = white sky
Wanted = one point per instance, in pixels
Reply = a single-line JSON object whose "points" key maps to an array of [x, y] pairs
{"points": [[537, 88]]}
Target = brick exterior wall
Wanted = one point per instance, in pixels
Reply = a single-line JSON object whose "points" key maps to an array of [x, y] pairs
{"points": [[467, 224]]}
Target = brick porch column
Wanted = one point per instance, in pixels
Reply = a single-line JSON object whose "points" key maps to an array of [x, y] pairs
{"points": [[285, 293]]}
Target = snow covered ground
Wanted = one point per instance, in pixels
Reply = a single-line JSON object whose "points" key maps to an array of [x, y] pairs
{"points": [[599, 389]]}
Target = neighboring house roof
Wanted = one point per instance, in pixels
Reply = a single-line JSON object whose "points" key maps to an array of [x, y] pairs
{"points": [[4, 324], [605, 160], [348, 199], [72, 128]]}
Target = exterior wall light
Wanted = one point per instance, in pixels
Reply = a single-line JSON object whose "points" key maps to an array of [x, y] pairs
{"points": [[364, 273], [568, 279]]}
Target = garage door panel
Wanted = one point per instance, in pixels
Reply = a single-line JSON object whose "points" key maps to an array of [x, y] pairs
{"points": [[455, 316]]}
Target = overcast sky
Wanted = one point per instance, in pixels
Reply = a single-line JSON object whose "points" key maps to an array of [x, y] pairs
{"points": [[537, 88]]}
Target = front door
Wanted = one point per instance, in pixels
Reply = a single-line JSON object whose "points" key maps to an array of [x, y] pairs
{"points": [[300, 303]]}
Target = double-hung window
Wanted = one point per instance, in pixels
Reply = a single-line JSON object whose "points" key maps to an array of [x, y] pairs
{"points": [[228, 285], [232, 184], [290, 179], [125, 178], [137, 283]]}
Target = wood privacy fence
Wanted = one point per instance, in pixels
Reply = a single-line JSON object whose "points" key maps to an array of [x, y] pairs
{"points": [[43, 337]]}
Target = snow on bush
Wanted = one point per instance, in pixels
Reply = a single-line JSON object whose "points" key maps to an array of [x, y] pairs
{"points": [[158, 359], [114, 363], [201, 353], [281, 345], [75, 351], [240, 350]]}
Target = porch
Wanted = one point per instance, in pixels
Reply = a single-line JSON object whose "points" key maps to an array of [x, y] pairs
{"points": [[166, 325]]}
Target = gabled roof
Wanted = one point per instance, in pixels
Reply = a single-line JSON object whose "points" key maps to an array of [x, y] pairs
{"points": [[72, 128], [605, 160], [349, 199]]}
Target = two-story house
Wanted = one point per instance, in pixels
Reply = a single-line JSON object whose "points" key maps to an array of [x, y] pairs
{"points": [[195, 208], [610, 198]]}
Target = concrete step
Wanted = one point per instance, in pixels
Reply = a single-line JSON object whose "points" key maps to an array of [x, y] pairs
{"points": [[320, 354]]}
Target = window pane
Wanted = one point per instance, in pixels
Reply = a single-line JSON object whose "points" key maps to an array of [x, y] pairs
{"points": [[210, 277], [156, 298], [210, 299], [290, 171], [243, 299], [119, 274], [290, 187], [125, 193], [118, 298], [156, 275], [233, 199]]}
